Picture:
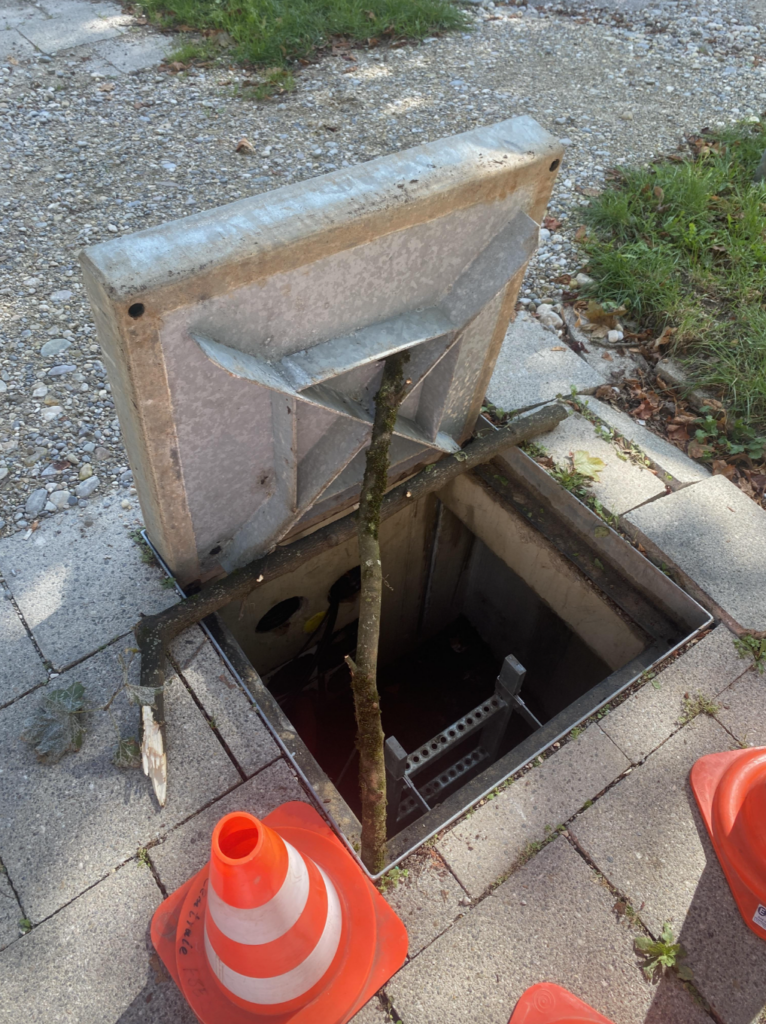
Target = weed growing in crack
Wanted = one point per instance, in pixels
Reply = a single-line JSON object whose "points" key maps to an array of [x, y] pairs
{"points": [[699, 704], [752, 647], [662, 954], [392, 879]]}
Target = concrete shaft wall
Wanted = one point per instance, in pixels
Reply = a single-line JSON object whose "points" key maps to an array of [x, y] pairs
{"points": [[244, 344]]}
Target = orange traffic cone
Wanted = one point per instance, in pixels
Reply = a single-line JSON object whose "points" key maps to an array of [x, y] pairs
{"points": [[550, 1004], [281, 925], [730, 790]]}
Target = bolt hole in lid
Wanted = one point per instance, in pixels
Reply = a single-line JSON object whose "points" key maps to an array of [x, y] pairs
{"points": [[550, 1004]]}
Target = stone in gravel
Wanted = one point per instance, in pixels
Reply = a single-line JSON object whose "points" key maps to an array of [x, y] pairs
{"points": [[36, 502], [3, 472], [109, 593], [486, 846], [60, 499], [648, 840], [86, 471], [40, 391], [100, 454], [59, 371], [61, 296], [54, 347], [51, 413], [3, 387], [94, 971], [550, 319], [87, 487], [534, 367], [553, 920], [715, 537]]}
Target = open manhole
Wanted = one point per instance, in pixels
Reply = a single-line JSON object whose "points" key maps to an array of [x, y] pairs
{"points": [[511, 613]]}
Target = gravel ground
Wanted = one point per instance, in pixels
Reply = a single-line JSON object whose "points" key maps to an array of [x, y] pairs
{"points": [[87, 153]]}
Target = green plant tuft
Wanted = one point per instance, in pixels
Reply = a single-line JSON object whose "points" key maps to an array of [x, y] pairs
{"points": [[699, 704], [662, 954], [273, 32], [682, 245], [752, 647]]}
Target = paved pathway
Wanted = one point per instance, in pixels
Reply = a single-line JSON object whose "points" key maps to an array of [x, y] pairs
{"points": [[101, 31]]}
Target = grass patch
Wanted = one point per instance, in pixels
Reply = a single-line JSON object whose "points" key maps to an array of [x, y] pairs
{"points": [[682, 244], [273, 32]]}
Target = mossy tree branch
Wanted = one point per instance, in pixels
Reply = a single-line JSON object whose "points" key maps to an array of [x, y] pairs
{"points": [[364, 673]]}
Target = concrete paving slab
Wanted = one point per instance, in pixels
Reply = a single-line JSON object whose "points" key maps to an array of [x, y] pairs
{"points": [[674, 466], [372, 1013], [234, 716], [487, 844], [13, 44], [715, 536], [743, 709], [131, 53], [81, 8], [552, 921], [10, 912], [185, 647], [534, 366], [646, 719], [74, 24], [92, 963], [621, 485], [79, 587], [63, 827], [646, 836], [187, 848], [12, 15], [428, 899], [21, 667]]}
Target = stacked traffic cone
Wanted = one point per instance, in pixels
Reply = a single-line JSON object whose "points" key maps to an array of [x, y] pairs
{"points": [[730, 790], [281, 925], [550, 1004]]}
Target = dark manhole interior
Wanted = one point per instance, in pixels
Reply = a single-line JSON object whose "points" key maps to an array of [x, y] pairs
{"points": [[510, 615]]}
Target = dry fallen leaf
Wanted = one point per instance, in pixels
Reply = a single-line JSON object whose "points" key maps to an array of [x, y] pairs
{"points": [[697, 450], [552, 223], [658, 193], [665, 338], [106, 87], [245, 147], [581, 234], [588, 465], [721, 468]]}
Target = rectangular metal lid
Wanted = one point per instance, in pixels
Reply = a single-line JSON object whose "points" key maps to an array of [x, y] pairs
{"points": [[245, 345]]}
